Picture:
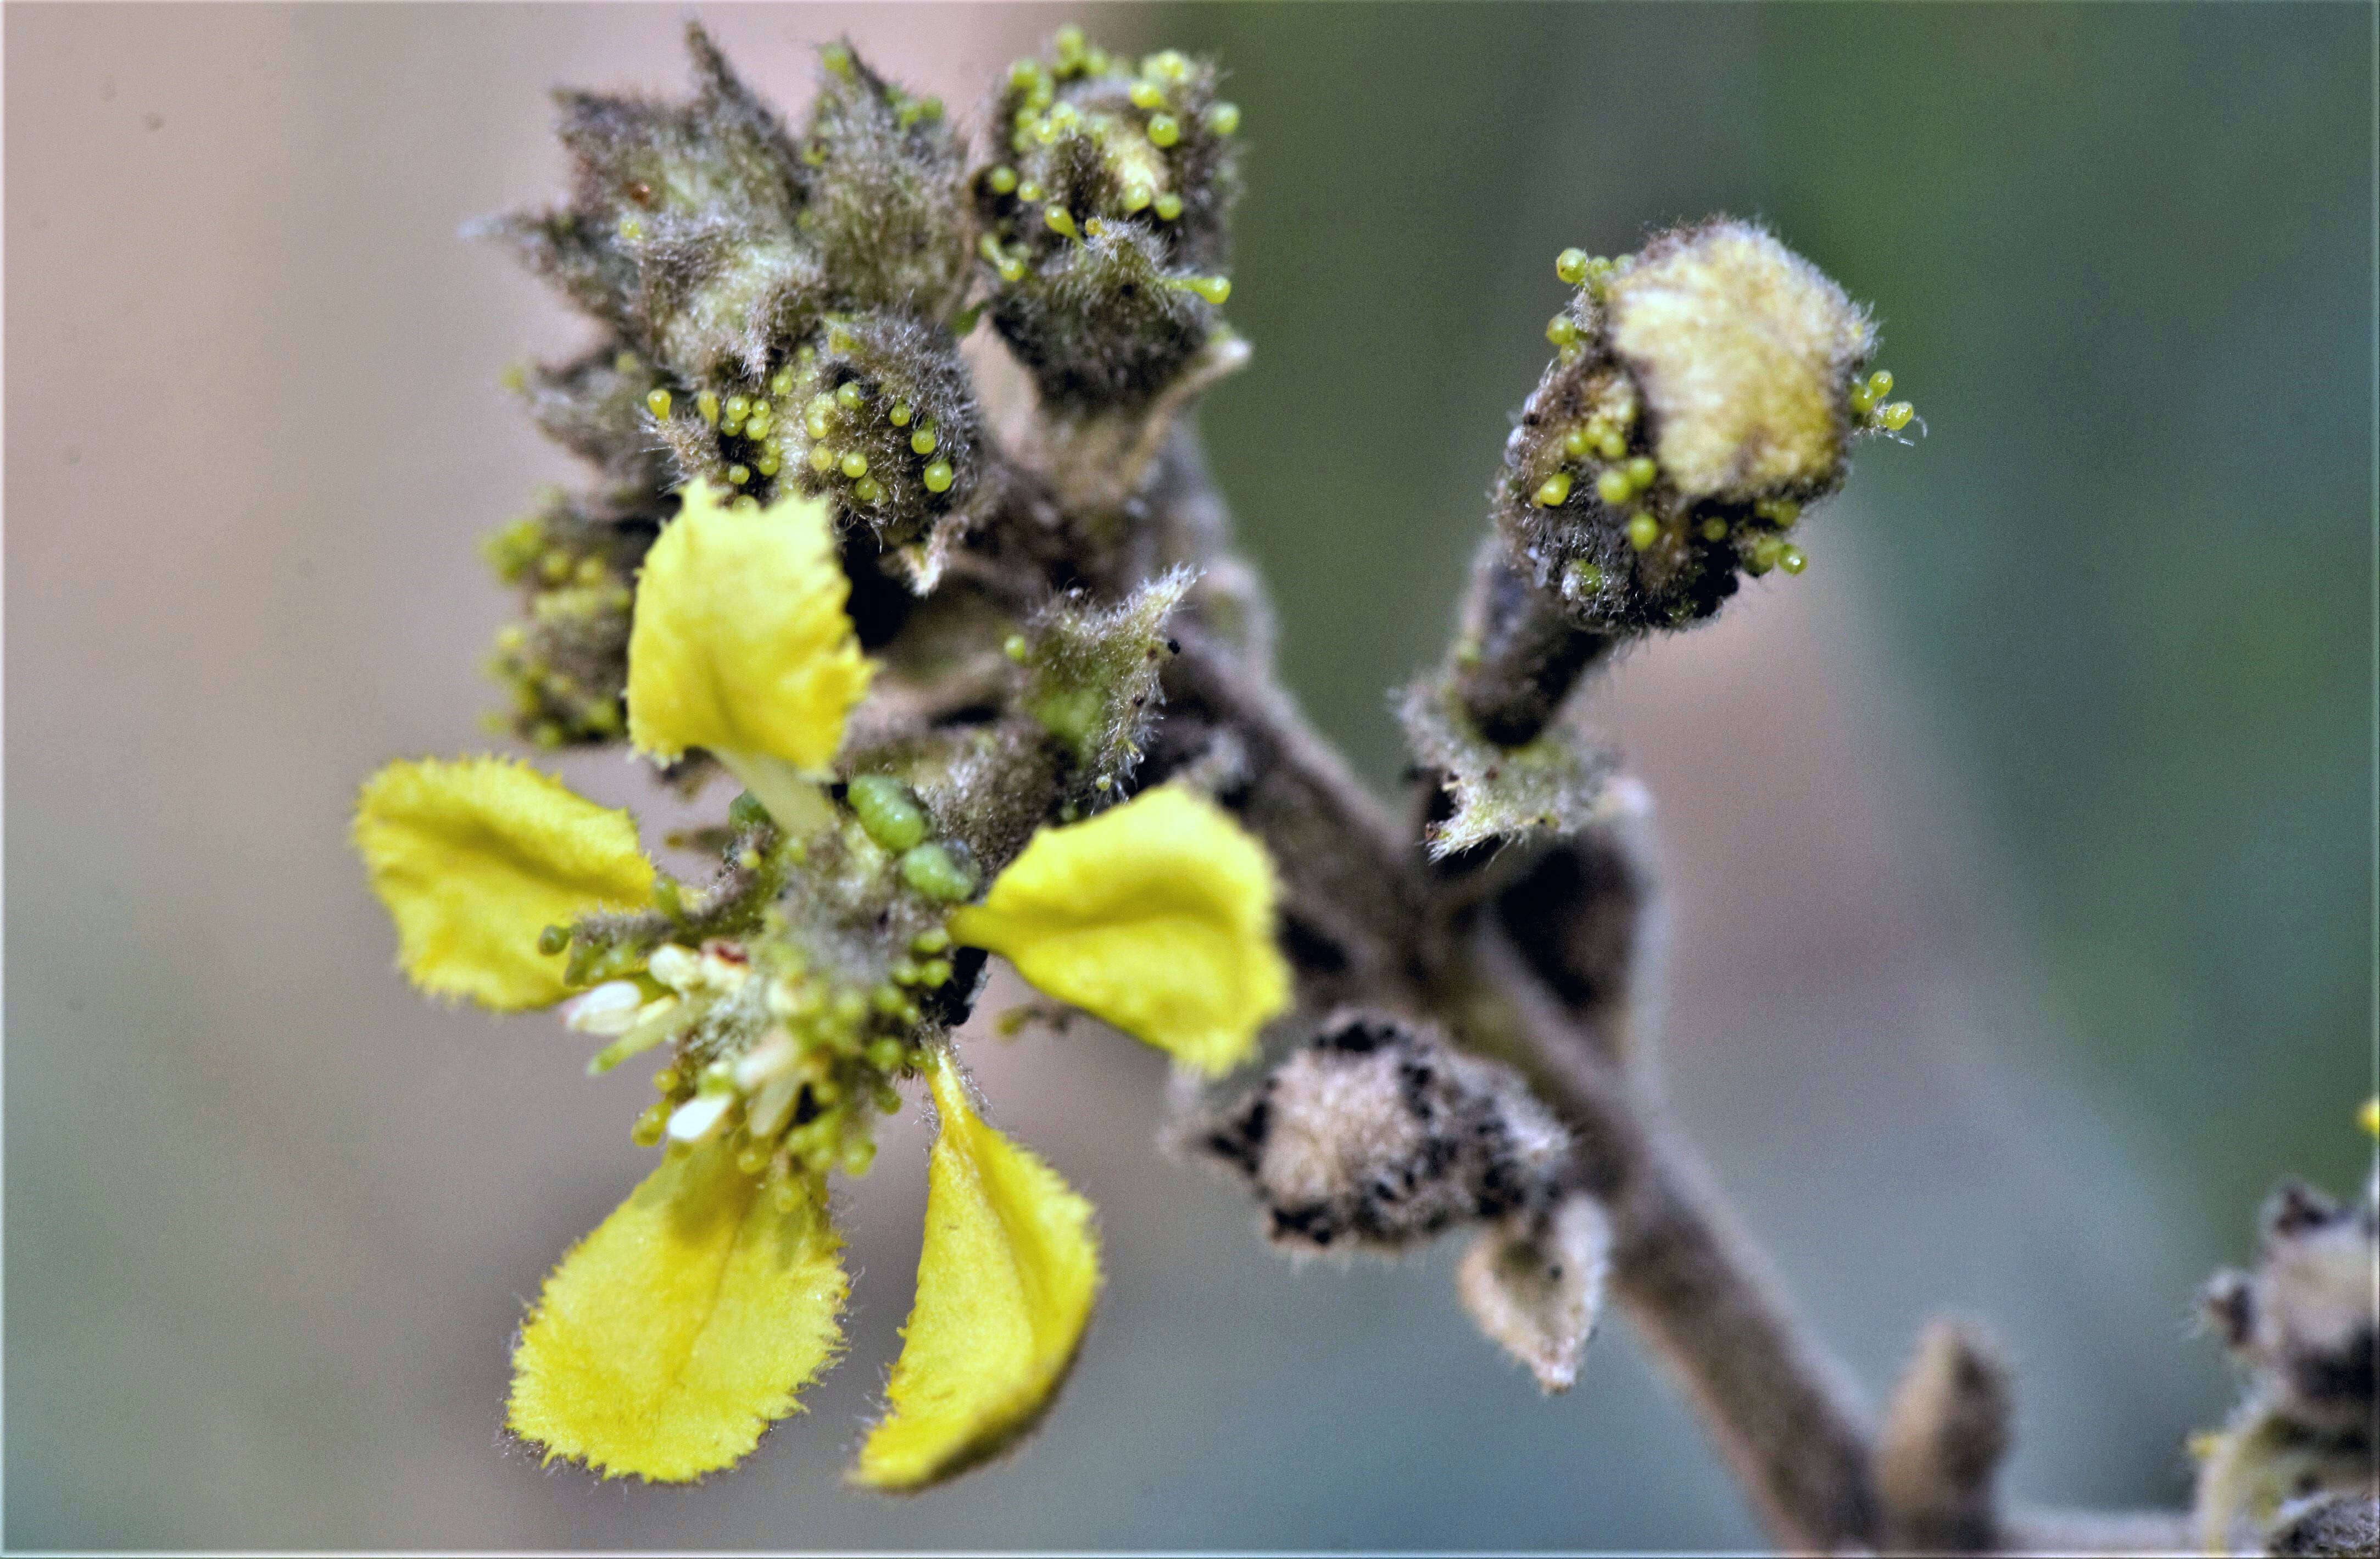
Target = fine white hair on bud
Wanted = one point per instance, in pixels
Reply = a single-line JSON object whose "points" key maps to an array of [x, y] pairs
{"points": [[1743, 352], [1378, 1135]]}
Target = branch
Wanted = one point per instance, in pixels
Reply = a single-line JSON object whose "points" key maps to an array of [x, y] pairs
{"points": [[1778, 1405]]}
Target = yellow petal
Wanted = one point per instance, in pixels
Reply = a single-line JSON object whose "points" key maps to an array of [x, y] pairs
{"points": [[1004, 1289], [741, 643], [476, 857], [677, 1332], [1156, 915]]}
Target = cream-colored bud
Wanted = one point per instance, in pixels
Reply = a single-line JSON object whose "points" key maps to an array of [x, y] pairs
{"points": [[1745, 352]]}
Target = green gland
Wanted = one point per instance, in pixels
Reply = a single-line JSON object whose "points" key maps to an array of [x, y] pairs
{"points": [[1571, 265], [932, 870], [887, 811]]}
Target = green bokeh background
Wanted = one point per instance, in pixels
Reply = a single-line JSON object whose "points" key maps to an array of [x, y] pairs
{"points": [[2021, 851], [2121, 256]]}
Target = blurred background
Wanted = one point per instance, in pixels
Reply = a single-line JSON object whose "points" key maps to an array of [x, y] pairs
{"points": [[2018, 855]]}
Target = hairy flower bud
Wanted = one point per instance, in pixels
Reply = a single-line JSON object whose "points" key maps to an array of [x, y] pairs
{"points": [[881, 419], [883, 179], [1092, 681], [566, 664], [1103, 223], [2304, 1325], [1378, 1135], [725, 259], [1703, 392]]}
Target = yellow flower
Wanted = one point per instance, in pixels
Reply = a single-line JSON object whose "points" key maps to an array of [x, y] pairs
{"points": [[474, 858], [671, 1338], [665, 1344], [741, 646], [1156, 915], [1004, 1289]]}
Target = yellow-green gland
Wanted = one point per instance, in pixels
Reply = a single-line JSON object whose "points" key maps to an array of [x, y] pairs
{"points": [[1015, 648], [1571, 265], [1002, 180], [887, 811], [658, 403], [1641, 472], [1164, 129], [1790, 560], [1642, 530], [736, 407], [1554, 490], [1061, 219], [1214, 289], [924, 440], [937, 477], [821, 458], [853, 465], [849, 395], [1168, 206], [868, 490], [738, 475], [1029, 191], [1561, 331], [1613, 486], [900, 414], [707, 403], [1714, 529], [1895, 417], [1766, 553], [1584, 578], [1145, 93], [1223, 118], [933, 871], [1136, 198], [782, 385]]}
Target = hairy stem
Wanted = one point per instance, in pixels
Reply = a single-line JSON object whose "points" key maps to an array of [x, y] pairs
{"points": [[1769, 1394]]}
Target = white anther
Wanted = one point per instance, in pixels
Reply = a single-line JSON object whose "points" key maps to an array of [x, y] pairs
{"points": [[674, 967], [773, 1107], [607, 1010], [774, 1054], [699, 1116]]}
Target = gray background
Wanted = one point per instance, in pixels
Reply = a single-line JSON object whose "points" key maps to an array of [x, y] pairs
{"points": [[2018, 853]]}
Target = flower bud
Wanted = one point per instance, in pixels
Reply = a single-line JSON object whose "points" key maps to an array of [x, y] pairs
{"points": [[1378, 1135], [1702, 393], [1104, 223]]}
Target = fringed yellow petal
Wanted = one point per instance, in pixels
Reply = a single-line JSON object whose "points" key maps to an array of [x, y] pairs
{"points": [[1004, 1289], [678, 1330], [475, 858], [741, 643], [1157, 916]]}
